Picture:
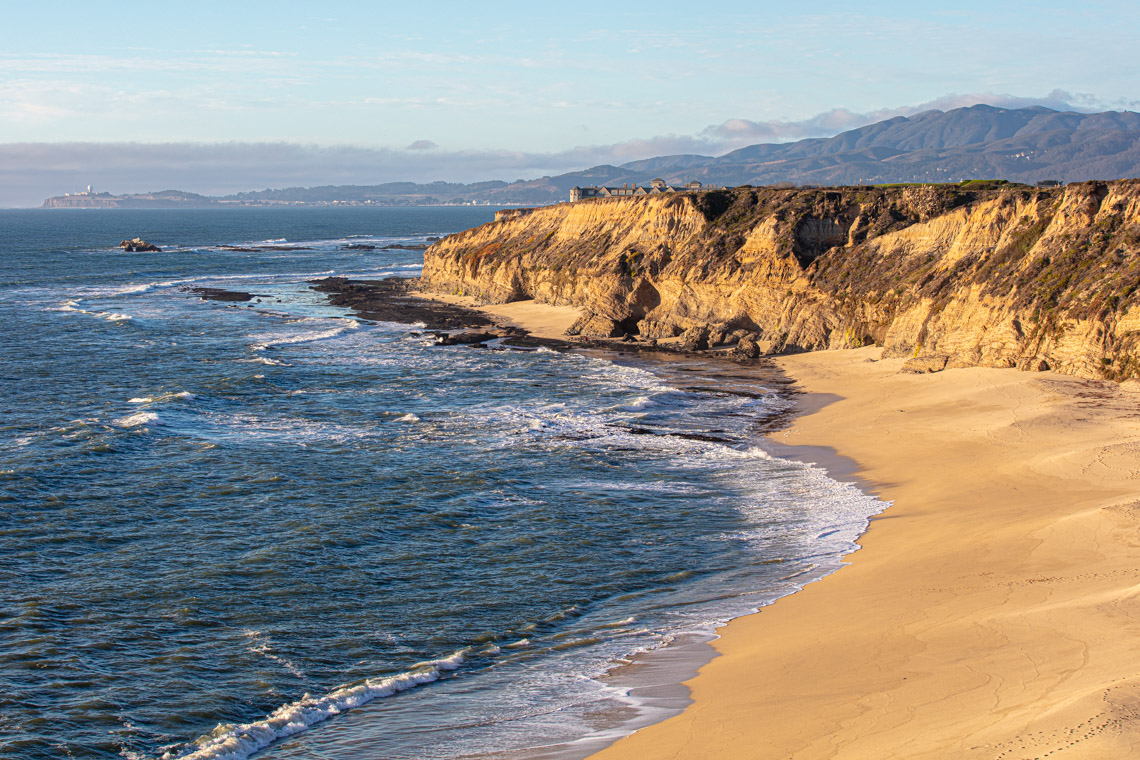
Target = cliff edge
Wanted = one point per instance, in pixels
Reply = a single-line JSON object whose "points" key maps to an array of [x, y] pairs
{"points": [[975, 274]]}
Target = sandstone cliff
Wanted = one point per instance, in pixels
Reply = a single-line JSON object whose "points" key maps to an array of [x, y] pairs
{"points": [[954, 275]]}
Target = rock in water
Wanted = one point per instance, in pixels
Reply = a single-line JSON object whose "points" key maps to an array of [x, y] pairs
{"points": [[465, 338], [138, 245]]}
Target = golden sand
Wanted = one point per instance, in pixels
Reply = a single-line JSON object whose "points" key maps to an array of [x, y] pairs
{"points": [[540, 320]]}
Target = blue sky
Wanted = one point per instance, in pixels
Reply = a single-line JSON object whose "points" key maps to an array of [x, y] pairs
{"points": [[503, 90]]}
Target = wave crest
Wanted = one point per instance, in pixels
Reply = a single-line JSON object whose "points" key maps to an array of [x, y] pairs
{"points": [[230, 742]]}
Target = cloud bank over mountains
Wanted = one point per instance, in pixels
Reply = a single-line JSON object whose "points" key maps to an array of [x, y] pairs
{"points": [[30, 172]]}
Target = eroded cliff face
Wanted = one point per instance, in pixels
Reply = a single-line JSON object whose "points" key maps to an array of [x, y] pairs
{"points": [[957, 275]]}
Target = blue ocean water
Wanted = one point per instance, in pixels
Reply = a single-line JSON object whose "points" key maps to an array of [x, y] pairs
{"points": [[271, 527]]}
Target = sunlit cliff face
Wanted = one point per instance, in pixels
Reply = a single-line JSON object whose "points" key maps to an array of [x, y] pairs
{"points": [[977, 274]]}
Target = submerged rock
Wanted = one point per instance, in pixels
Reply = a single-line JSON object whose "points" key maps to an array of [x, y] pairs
{"points": [[221, 294], [465, 338]]}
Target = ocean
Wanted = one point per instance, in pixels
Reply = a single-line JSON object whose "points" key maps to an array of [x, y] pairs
{"points": [[273, 528]]}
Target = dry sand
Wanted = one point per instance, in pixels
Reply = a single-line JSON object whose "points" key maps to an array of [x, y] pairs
{"points": [[994, 611], [540, 320]]}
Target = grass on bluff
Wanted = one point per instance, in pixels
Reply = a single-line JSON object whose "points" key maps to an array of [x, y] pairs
{"points": [[972, 184]]}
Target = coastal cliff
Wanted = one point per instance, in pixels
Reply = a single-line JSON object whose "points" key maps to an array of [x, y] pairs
{"points": [[976, 274]]}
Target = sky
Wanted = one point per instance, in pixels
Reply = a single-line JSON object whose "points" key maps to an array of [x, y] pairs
{"points": [[219, 97]]}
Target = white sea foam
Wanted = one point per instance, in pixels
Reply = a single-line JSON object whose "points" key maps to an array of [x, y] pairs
{"points": [[409, 417], [237, 742], [127, 290], [269, 341], [291, 430], [136, 420], [72, 306], [261, 645], [178, 395]]}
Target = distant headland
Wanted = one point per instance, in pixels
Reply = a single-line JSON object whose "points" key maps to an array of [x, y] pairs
{"points": [[1022, 145], [351, 196]]}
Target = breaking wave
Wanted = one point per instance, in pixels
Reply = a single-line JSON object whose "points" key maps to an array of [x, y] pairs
{"points": [[237, 742]]}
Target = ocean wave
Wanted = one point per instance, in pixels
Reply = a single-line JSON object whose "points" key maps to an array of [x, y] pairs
{"points": [[179, 395], [136, 420], [72, 306], [237, 742], [639, 403], [214, 425], [272, 341]]}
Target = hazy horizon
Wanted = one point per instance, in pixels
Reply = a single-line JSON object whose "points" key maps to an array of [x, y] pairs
{"points": [[145, 99]]}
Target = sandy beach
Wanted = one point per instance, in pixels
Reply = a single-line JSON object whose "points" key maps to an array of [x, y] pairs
{"points": [[540, 320], [993, 610]]}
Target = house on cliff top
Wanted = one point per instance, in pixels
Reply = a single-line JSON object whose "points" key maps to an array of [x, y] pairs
{"points": [[655, 187]]}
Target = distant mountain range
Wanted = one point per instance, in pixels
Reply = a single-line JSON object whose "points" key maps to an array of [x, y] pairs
{"points": [[980, 142]]}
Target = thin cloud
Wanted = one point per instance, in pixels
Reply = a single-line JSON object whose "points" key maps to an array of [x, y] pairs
{"points": [[738, 133]]}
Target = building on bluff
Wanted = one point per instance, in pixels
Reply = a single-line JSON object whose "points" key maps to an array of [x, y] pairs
{"points": [[655, 187]]}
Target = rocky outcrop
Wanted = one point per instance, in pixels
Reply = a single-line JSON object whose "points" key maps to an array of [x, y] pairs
{"points": [[977, 274], [138, 245]]}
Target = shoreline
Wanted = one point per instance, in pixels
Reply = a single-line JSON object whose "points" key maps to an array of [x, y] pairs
{"points": [[656, 680], [990, 608]]}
